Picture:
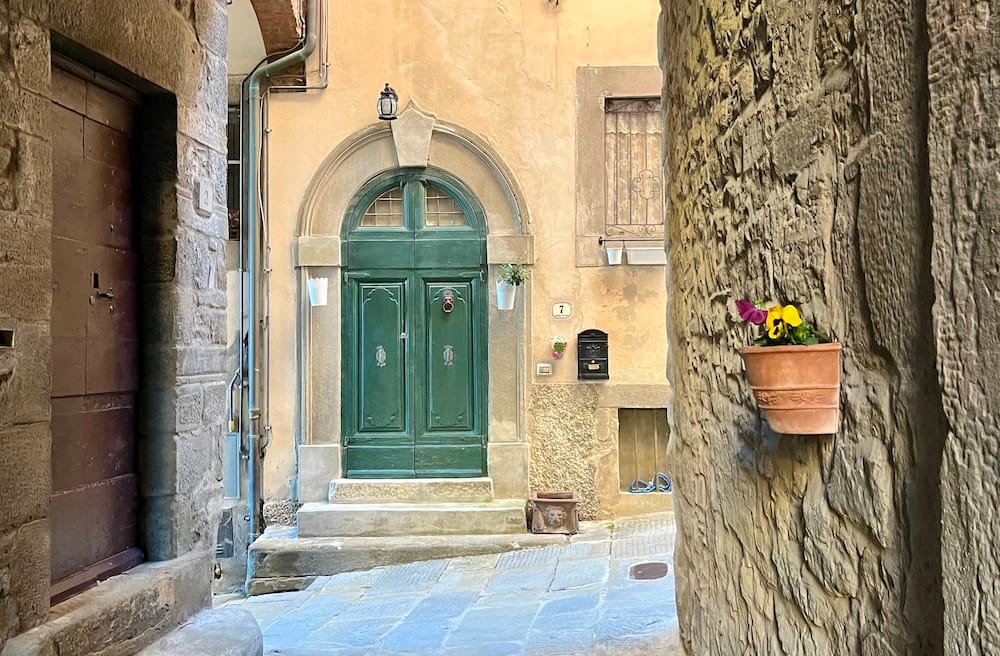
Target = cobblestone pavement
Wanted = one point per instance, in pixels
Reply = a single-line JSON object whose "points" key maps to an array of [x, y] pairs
{"points": [[576, 598]]}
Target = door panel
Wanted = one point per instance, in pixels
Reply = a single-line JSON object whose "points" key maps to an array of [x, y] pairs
{"points": [[382, 358], [95, 492], [449, 359], [445, 250], [390, 250]]}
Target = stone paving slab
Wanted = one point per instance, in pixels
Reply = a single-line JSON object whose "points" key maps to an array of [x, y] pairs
{"points": [[571, 599]]}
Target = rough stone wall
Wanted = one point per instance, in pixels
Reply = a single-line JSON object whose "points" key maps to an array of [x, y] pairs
{"points": [[174, 51], [796, 160], [964, 138], [25, 299], [563, 438]]}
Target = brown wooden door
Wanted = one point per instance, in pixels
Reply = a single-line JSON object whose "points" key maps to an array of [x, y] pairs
{"points": [[94, 504]]}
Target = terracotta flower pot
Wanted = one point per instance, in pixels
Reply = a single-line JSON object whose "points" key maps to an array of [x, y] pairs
{"points": [[797, 387], [553, 512]]}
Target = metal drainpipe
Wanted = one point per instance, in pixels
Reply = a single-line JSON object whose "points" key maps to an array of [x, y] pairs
{"points": [[250, 173], [323, 72]]}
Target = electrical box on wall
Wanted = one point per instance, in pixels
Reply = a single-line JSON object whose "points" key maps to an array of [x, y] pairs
{"points": [[592, 355]]}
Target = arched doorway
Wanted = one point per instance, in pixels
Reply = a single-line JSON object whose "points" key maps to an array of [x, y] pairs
{"points": [[414, 329]]}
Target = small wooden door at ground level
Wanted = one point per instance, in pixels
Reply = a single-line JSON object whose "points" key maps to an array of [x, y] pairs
{"points": [[94, 503], [414, 335]]}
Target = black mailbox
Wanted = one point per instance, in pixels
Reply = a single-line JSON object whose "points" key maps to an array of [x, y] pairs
{"points": [[592, 355]]}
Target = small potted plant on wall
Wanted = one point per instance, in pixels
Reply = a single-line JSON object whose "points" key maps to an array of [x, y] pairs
{"points": [[558, 347], [793, 369], [509, 278]]}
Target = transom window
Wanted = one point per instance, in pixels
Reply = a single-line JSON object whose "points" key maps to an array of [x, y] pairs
{"points": [[386, 211], [415, 204]]}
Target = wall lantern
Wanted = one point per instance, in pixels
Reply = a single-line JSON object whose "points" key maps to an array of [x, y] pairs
{"points": [[388, 102]]}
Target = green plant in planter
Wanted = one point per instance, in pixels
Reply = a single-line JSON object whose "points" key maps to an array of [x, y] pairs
{"points": [[780, 325], [512, 274]]}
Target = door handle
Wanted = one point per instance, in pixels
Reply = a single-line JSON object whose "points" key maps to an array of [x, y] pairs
{"points": [[108, 294]]}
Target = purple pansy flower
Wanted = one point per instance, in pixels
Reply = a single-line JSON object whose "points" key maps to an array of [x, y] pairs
{"points": [[750, 312]]}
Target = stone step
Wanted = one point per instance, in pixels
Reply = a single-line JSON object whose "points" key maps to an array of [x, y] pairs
{"points": [[213, 632], [280, 561], [411, 490], [406, 519]]}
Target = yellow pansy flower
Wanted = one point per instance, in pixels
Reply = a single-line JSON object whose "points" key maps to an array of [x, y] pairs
{"points": [[775, 323], [790, 315]]}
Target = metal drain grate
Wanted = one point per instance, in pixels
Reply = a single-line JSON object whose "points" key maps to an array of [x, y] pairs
{"points": [[647, 571]]}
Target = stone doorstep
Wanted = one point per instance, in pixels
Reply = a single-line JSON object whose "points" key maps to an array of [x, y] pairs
{"points": [[124, 613], [281, 562], [411, 490], [408, 519], [217, 632]]}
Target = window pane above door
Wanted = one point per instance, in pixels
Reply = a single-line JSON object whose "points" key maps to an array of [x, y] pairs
{"points": [[386, 211], [442, 210]]}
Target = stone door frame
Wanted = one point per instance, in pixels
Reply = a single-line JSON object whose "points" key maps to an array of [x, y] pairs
{"points": [[416, 139]]}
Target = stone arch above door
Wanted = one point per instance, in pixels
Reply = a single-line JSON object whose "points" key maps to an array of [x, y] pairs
{"points": [[416, 139]]}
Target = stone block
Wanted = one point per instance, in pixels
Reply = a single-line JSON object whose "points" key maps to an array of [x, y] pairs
{"points": [[164, 520], [216, 632], [25, 474], [122, 615], [27, 110], [189, 409], [401, 519], [200, 360], [215, 403], [31, 55], [279, 555], [25, 375], [318, 465], [450, 490], [615, 395], [35, 10], [26, 291], [509, 465], [515, 249], [211, 24], [29, 572], [321, 250], [157, 453], [27, 239], [411, 134], [159, 258]]}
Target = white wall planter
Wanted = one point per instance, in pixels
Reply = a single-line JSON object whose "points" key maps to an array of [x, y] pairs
{"points": [[506, 294], [615, 255], [317, 288], [649, 255]]}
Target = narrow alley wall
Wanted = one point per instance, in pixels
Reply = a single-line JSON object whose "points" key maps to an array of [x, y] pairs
{"points": [[171, 53], [797, 168], [964, 138]]}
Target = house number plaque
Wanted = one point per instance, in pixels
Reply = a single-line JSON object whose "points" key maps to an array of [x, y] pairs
{"points": [[562, 310]]}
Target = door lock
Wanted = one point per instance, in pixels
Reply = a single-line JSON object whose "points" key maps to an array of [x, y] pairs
{"points": [[110, 294], [402, 335]]}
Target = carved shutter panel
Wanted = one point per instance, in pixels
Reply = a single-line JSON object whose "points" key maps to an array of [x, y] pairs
{"points": [[633, 165]]}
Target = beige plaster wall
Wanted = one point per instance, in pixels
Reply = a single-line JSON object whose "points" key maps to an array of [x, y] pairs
{"points": [[505, 71]]}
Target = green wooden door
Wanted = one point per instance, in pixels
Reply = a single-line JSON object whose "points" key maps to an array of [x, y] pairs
{"points": [[414, 331]]}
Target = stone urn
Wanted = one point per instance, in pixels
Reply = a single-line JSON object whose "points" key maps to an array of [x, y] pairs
{"points": [[796, 387], [554, 512]]}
